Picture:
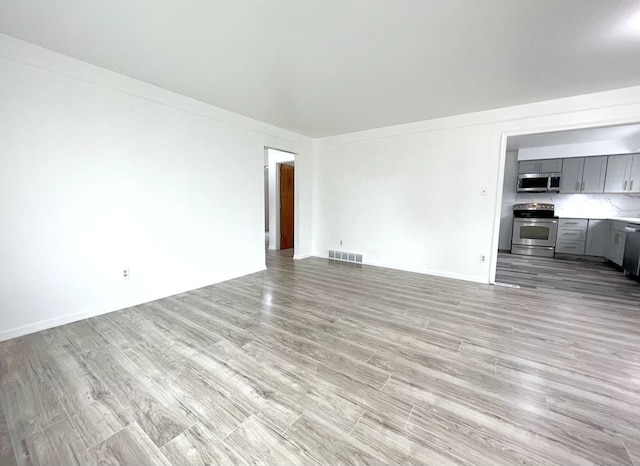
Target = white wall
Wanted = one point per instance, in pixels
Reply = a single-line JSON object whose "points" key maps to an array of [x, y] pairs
{"points": [[99, 172], [277, 157], [266, 198], [409, 194]]}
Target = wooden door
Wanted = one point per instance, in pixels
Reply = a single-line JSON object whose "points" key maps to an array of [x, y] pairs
{"points": [[286, 206]]}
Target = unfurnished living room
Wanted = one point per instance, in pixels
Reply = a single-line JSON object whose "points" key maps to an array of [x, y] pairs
{"points": [[319, 232]]}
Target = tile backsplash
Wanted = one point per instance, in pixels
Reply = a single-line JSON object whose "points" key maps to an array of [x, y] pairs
{"points": [[587, 205]]}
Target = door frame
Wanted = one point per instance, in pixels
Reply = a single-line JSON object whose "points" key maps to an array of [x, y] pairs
{"points": [[497, 213], [274, 200]]}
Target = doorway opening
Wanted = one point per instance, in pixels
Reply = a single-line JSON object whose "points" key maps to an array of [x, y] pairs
{"points": [[280, 201], [562, 194]]}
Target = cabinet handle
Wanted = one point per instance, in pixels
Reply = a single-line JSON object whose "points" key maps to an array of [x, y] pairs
{"points": [[624, 185], [631, 186]]}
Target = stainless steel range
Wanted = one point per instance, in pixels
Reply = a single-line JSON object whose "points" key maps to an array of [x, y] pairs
{"points": [[535, 227]]}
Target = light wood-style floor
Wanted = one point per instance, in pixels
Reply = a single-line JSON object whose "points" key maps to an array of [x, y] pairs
{"points": [[318, 362], [586, 276]]}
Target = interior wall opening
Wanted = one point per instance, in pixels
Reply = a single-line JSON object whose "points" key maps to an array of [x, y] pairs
{"points": [[279, 200], [570, 200]]}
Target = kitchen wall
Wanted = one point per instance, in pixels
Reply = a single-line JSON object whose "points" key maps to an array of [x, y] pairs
{"points": [[588, 205], [100, 172], [409, 196]]}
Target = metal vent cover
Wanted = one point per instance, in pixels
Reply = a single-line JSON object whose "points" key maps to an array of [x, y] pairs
{"points": [[346, 256]]}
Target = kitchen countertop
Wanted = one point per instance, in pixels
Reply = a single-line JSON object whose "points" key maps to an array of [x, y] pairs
{"points": [[635, 220]]}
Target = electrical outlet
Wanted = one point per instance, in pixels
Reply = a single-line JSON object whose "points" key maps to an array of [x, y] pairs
{"points": [[483, 258], [340, 242], [125, 273], [430, 264]]}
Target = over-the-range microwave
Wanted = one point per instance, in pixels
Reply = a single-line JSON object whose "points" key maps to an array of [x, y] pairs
{"points": [[539, 182]]}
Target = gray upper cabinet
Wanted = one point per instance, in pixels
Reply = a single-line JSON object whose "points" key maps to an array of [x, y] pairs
{"points": [[540, 166], [571, 180], [618, 170], [551, 166], [583, 175], [592, 175], [528, 166], [623, 174], [595, 169], [634, 174]]}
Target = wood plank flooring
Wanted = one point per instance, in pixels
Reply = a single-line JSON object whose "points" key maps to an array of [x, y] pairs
{"points": [[587, 276], [319, 362]]}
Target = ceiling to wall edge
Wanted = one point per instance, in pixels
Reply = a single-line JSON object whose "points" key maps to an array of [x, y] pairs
{"points": [[52, 61]]}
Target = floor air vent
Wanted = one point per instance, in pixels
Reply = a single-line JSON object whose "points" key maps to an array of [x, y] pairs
{"points": [[345, 256]]}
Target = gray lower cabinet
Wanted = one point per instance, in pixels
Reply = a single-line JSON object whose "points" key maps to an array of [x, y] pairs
{"points": [[592, 237], [585, 237], [572, 235], [596, 243], [616, 237]]}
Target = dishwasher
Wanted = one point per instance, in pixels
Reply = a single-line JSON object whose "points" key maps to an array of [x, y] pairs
{"points": [[631, 261]]}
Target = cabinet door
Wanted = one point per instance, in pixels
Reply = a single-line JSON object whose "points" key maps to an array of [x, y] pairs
{"points": [[609, 244], [597, 232], [619, 238], [529, 166], [616, 180], [595, 169], [634, 174], [571, 180], [570, 247], [551, 166]]}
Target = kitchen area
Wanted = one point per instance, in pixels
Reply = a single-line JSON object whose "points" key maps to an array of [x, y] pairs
{"points": [[571, 212]]}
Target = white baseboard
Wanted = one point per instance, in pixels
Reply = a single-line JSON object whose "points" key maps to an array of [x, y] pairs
{"points": [[302, 256], [50, 323], [436, 273], [69, 318]]}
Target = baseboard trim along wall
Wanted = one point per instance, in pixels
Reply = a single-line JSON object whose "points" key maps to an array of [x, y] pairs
{"points": [[436, 273], [70, 318]]}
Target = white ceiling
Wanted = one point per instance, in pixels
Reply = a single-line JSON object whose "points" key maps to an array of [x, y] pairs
{"points": [[621, 134], [324, 67]]}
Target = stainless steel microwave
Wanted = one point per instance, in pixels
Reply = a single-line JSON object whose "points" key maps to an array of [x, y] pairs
{"points": [[539, 183]]}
